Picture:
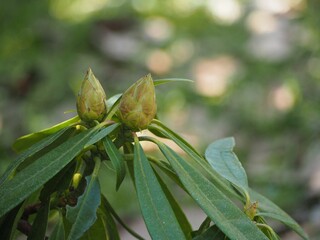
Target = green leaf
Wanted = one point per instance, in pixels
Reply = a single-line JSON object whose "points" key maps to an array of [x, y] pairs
{"points": [[269, 209], [59, 182], [229, 218], [10, 222], [30, 152], [108, 220], [116, 160], [66, 225], [156, 132], [102, 133], [158, 126], [212, 233], [13, 191], [59, 141], [104, 227], [221, 183], [83, 215], [114, 102], [180, 216], [58, 231], [156, 210], [222, 159], [40, 223], [26, 141], [166, 168], [171, 80]]}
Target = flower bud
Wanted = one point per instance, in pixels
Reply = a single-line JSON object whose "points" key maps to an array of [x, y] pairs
{"points": [[91, 100], [138, 104], [250, 209], [76, 180]]}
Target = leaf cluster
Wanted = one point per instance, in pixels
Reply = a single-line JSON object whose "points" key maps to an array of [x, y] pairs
{"points": [[56, 177]]}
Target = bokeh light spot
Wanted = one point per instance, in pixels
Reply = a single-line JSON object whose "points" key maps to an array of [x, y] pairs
{"points": [[283, 98], [158, 29], [213, 75], [260, 22], [159, 62], [225, 12]]}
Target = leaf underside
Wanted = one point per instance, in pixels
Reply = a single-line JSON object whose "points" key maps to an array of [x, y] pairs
{"points": [[222, 159]]}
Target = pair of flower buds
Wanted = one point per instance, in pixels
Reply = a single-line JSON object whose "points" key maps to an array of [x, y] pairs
{"points": [[137, 106]]}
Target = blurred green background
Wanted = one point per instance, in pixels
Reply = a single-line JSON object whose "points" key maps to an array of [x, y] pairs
{"points": [[255, 63]]}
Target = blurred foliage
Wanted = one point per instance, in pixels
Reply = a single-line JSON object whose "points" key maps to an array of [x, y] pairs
{"points": [[255, 64]]}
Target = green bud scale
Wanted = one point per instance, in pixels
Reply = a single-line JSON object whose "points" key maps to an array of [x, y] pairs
{"points": [[138, 104], [91, 100]]}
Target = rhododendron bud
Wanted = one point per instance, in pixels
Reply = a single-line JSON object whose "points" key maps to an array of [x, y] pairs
{"points": [[138, 104], [91, 100], [251, 209]]}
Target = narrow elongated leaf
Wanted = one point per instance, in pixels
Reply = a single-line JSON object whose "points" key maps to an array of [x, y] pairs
{"points": [[83, 215], [157, 133], [59, 182], [221, 157], [112, 100], [229, 218], [108, 220], [171, 80], [40, 223], [58, 231], [116, 160], [167, 169], [161, 128], [212, 233], [59, 141], [277, 212], [26, 182], [180, 216], [10, 222], [30, 152], [269, 209], [222, 186], [26, 141], [155, 207], [102, 133], [67, 226], [218, 181], [113, 104], [104, 227]]}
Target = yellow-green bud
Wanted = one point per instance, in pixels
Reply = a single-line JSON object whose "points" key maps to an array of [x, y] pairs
{"points": [[250, 209], [91, 100], [76, 180], [138, 104]]}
